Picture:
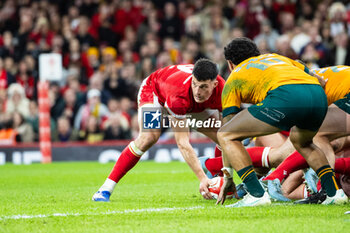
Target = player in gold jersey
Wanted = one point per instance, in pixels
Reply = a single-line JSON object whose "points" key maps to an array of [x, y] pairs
{"points": [[333, 129], [334, 126], [337, 89], [284, 98]]}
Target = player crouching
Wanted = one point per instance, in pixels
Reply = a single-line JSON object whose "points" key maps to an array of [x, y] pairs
{"points": [[177, 90]]}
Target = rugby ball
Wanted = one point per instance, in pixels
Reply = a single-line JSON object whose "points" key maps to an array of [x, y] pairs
{"points": [[215, 185]]}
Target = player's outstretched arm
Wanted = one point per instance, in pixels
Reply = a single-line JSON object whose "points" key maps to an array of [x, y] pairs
{"points": [[302, 65], [320, 79], [183, 142]]}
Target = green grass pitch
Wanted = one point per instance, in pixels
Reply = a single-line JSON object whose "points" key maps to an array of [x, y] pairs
{"points": [[153, 197]]}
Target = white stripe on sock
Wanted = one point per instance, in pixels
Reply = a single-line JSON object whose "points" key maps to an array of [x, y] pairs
{"points": [[264, 157], [305, 192], [135, 149]]}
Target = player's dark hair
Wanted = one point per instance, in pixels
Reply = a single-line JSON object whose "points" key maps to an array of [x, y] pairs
{"points": [[204, 69], [240, 49]]}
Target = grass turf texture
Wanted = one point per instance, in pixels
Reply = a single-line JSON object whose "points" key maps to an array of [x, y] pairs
{"points": [[153, 197]]}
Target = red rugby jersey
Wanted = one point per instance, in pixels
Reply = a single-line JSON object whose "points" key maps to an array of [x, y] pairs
{"points": [[172, 85]]}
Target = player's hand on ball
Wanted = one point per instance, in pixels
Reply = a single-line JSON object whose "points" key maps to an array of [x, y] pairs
{"points": [[228, 186], [203, 189]]}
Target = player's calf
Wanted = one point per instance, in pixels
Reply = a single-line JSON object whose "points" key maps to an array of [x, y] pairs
{"points": [[127, 160]]}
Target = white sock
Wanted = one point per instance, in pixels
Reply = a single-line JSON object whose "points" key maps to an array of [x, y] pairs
{"points": [[108, 185]]}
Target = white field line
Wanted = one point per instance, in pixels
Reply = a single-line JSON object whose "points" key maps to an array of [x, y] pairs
{"points": [[96, 214], [159, 172], [3, 218]]}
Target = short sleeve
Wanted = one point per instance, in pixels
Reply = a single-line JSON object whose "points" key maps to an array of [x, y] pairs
{"points": [[218, 94], [177, 106], [299, 65], [231, 100]]}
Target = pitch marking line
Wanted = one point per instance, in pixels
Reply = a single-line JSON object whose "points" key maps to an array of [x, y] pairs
{"points": [[94, 214], [113, 212]]}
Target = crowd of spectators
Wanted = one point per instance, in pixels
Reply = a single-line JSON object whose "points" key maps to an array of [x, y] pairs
{"points": [[109, 46]]}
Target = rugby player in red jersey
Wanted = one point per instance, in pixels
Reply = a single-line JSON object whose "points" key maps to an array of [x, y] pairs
{"points": [[178, 90]]}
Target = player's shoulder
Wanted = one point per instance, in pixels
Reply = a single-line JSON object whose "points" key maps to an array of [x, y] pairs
{"points": [[179, 82], [166, 70], [340, 69], [180, 70], [220, 79], [179, 76], [275, 55], [183, 68], [174, 75], [272, 56], [221, 82]]}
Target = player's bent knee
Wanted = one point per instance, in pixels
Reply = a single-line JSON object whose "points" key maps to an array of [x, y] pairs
{"points": [[337, 144], [299, 141], [152, 138], [224, 136], [300, 144], [147, 140]]}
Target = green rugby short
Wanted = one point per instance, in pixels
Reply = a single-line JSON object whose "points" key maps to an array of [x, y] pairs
{"points": [[344, 103], [301, 105]]}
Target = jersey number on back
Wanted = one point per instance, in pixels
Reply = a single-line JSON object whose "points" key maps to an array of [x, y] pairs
{"points": [[266, 63], [335, 69], [262, 64]]}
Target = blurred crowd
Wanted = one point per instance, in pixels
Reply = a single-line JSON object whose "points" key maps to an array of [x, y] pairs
{"points": [[108, 47]]}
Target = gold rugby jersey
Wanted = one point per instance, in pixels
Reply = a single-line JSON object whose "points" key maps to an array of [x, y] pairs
{"points": [[338, 81], [250, 81]]}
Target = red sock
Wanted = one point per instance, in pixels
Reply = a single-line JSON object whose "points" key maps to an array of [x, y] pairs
{"points": [[214, 165], [127, 160], [218, 152], [292, 163], [337, 178], [342, 166], [319, 185], [259, 156]]}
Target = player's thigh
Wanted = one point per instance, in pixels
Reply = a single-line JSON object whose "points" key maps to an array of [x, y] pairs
{"points": [[147, 139], [210, 133], [212, 125], [148, 136], [273, 140], [278, 154], [292, 182], [341, 144], [244, 125], [335, 124], [301, 137], [206, 114]]}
